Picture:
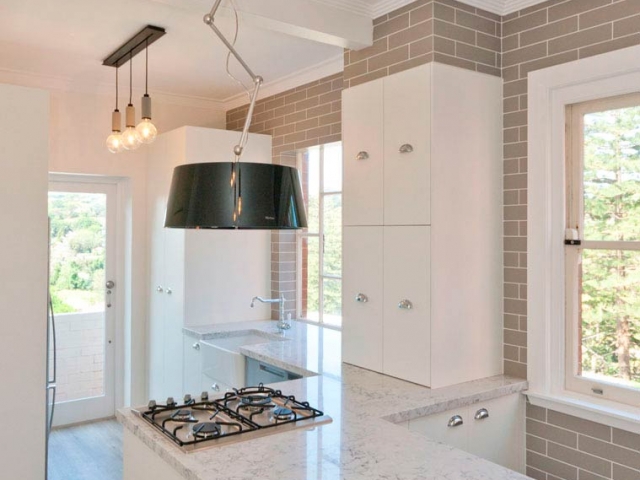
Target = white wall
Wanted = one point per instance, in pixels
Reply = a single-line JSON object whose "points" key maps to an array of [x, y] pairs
{"points": [[80, 123], [23, 285]]}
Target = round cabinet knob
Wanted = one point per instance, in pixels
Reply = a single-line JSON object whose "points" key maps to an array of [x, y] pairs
{"points": [[405, 305], [196, 346], [481, 414], [215, 387], [362, 298], [159, 289], [455, 421], [362, 156], [169, 291], [406, 148]]}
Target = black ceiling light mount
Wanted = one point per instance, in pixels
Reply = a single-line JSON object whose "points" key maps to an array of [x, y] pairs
{"points": [[235, 195]]}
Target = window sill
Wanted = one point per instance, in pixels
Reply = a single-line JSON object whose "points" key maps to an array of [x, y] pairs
{"points": [[624, 417]]}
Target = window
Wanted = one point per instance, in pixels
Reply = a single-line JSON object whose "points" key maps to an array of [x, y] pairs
{"points": [[320, 245], [603, 271]]}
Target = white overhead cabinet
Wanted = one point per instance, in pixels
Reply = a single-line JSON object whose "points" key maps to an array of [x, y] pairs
{"points": [[422, 261], [197, 277]]}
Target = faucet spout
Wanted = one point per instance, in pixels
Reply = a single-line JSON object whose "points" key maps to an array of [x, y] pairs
{"points": [[282, 324]]}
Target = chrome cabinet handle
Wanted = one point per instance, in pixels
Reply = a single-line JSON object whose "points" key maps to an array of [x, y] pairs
{"points": [[196, 346], [362, 298], [169, 291], [405, 305], [159, 289], [481, 414], [455, 421], [406, 148], [362, 155]]}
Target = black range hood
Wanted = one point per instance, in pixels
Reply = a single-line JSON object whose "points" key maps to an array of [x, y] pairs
{"points": [[202, 196]]}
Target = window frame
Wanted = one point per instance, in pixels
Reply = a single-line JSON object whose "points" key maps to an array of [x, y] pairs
{"points": [[599, 388], [320, 235], [549, 91]]}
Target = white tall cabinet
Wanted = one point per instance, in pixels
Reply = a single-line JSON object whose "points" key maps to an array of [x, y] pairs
{"points": [[422, 269], [198, 277]]}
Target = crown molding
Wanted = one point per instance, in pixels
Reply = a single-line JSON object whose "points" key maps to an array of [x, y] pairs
{"points": [[67, 85], [306, 75]]}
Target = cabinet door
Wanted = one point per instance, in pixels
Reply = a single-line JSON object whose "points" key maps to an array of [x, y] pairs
{"points": [[192, 377], [362, 296], [436, 427], [499, 437], [362, 137], [407, 306], [407, 147]]}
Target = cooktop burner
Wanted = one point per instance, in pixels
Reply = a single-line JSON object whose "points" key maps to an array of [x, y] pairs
{"points": [[241, 414]]}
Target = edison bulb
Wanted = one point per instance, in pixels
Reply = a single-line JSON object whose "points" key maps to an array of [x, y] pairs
{"points": [[131, 138], [115, 143], [147, 131]]}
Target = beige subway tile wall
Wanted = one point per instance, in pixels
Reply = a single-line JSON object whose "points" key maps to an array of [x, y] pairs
{"points": [[424, 31], [301, 117]]}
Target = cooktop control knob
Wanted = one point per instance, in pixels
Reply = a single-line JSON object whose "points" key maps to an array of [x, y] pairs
{"points": [[152, 404], [204, 396], [187, 398], [171, 402]]}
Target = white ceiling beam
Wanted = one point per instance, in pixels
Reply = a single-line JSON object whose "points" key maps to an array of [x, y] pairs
{"points": [[309, 19]]}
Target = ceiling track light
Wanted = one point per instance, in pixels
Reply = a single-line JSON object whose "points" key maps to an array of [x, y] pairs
{"points": [[145, 132]]}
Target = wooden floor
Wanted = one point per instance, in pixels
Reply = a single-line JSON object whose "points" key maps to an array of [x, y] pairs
{"points": [[91, 451]]}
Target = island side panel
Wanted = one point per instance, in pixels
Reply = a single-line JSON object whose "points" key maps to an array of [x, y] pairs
{"points": [[142, 463]]}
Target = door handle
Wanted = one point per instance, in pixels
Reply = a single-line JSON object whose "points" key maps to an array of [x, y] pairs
{"points": [[110, 285]]}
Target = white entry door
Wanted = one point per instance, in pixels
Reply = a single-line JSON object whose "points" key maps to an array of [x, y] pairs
{"points": [[84, 295]]}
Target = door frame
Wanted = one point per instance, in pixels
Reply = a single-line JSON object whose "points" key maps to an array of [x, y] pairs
{"points": [[120, 186]]}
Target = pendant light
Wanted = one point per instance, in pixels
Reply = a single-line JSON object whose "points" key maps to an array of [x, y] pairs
{"points": [[131, 137], [146, 129], [114, 141], [235, 195]]}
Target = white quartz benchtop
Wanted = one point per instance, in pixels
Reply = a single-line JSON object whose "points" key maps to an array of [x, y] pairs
{"points": [[360, 443]]}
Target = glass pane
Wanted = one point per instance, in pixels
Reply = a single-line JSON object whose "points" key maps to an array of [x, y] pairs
{"points": [[332, 211], [333, 167], [332, 311], [612, 175], [610, 330], [310, 173], [310, 307], [78, 254]]}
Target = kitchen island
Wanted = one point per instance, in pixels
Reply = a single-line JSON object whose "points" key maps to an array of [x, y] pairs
{"points": [[368, 438]]}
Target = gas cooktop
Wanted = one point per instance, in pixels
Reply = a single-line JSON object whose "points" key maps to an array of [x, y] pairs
{"points": [[237, 416]]}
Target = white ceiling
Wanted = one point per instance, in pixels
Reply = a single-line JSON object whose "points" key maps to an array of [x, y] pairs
{"points": [[65, 41]]}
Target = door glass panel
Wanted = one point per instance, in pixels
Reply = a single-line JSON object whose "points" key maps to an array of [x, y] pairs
{"points": [[77, 279], [610, 311], [612, 175], [310, 278], [332, 312], [332, 234]]}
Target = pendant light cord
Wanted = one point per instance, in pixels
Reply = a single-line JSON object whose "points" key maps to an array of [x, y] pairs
{"points": [[130, 77], [146, 67], [117, 68]]}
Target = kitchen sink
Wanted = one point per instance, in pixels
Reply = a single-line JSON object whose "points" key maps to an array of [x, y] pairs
{"points": [[233, 343]]}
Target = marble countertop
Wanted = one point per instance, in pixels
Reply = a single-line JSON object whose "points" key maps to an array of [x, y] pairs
{"points": [[362, 442]]}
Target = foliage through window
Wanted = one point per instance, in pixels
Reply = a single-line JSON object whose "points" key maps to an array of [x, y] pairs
{"points": [[603, 273], [320, 246]]}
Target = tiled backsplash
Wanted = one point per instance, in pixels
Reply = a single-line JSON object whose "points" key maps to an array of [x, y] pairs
{"points": [[550, 33]]}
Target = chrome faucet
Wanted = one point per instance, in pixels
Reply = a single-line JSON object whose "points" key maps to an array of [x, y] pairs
{"points": [[282, 324]]}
